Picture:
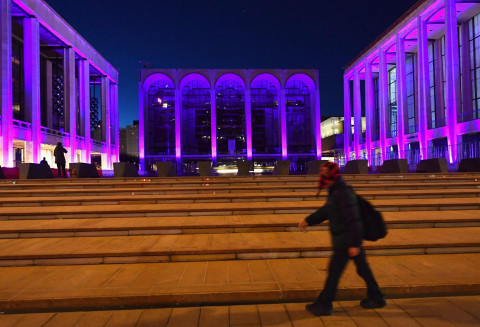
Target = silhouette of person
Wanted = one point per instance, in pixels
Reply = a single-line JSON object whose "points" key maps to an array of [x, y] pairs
{"points": [[59, 154], [44, 162]]}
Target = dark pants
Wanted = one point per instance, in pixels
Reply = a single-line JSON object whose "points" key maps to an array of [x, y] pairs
{"points": [[61, 169], [335, 269]]}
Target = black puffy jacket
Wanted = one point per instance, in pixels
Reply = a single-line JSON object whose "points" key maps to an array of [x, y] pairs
{"points": [[342, 212]]}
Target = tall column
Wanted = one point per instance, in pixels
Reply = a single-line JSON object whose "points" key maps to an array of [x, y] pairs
{"points": [[248, 121], [347, 113], [357, 113], [48, 93], [452, 80], [423, 85], [318, 122], [213, 123], [70, 100], [401, 95], [142, 112], [6, 96], [369, 108], [84, 102], [283, 122], [31, 69], [116, 123], [466, 84], [178, 125], [383, 99], [106, 135], [113, 122]]}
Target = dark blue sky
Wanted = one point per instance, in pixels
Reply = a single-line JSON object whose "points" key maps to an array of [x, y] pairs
{"points": [[318, 34]]}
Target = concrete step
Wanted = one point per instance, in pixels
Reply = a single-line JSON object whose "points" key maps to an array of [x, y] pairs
{"points": [[215, 209], [215, 224], [215, 181], [73, 288], [424, 311], [311, 187], [230, 246], [107, 199]]}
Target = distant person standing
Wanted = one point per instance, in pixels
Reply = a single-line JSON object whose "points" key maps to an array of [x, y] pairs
{"points": [[59, 154]]}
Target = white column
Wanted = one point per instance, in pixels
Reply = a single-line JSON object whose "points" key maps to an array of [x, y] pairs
{"points": [[31, 69], [6, 96], [347, 113], [84, 97], [70, 100], [452, 81], [113, 123], [318, 122], [248, 122], [213, 123], [401, 95], [142, 127], [369, 108], [178, 125], [106, 135], [48, 91], [357, 113], [283, 122], [423, 84], [383, 99], [116, 124]]}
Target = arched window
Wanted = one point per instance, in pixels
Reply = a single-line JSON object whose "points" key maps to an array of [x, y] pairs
{"points": [[266, 135], [300, 138], [196, 130], [161, 118], [230, 105]]}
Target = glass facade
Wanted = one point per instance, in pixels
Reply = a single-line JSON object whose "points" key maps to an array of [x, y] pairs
{"points": [[299, 120], [392, 103], [161, 118], [17, 75], [266, 136], [196, 119], [230, 106], [431, 70]]}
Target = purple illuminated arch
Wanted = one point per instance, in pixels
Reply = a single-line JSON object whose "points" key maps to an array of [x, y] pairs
{"points": [[193, 77], [143, 112], [308, 81], [230, 76], [267, 77], [204, 83], [303, 78]]}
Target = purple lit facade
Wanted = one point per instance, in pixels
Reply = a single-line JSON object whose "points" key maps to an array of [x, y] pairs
{"points": [[55, 87], [422, 87], [186, 115]]}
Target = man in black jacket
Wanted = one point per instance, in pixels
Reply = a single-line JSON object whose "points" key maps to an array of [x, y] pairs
{"points": [[346, 229], [59, 154]]}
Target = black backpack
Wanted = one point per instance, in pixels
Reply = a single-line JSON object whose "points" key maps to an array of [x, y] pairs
{"points": [[373, 224]]}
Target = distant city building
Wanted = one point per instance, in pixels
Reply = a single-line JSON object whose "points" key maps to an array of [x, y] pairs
{"points": [[226, 115], [334, 125], [55, 87], [422, 89], [129, 142], [332, 137]]}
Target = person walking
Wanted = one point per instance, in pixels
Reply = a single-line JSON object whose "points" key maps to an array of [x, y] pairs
{"points": [[59, 154], [346, 230]]}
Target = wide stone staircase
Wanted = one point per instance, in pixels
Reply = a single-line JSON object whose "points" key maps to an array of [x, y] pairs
{"points": [[90, 244]]}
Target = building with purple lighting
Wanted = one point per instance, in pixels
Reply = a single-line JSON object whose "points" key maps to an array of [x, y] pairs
{"points": [[55, 87], [226, 115], [419, 86]]}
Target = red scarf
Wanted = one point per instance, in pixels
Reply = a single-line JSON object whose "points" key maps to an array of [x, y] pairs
{"points": [[332, 175]]}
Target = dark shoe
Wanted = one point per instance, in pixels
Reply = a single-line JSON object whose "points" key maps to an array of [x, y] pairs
{"points": [[373, 303], [319, 309]]}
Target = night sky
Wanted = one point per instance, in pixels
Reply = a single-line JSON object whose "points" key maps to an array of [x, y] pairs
{"points": [[316, 34]]}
